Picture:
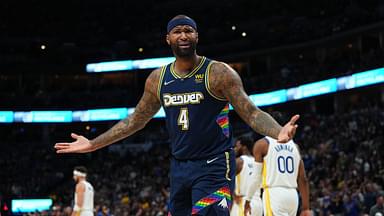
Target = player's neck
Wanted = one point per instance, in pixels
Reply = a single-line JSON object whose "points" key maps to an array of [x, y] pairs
{"points": [[184, 65], [247, 153]]}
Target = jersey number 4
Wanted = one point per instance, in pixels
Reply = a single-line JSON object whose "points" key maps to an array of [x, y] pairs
{"points": [[183, 119]]}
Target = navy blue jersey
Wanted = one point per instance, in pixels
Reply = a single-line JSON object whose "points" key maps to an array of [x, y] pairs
{"points": [[196, 119]]}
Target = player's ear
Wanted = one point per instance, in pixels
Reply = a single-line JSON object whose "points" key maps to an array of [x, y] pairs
{"points": [[167, 39], [197, 37]]}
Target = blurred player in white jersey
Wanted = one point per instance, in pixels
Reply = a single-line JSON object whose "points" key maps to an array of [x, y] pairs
{"points": [[280, 171], [245, 163], [83, 194]]}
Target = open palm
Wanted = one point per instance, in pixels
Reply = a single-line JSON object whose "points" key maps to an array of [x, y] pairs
{"points": [[80, 145]]}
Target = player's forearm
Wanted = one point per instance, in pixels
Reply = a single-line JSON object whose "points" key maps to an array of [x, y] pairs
{"points": [[258, 120], [121, 130], [227, 82], [304, 193], [264, 124], [256, 180], [144, 111], [77, 209]]}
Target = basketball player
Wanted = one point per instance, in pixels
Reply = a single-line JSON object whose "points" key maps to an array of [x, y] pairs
{"points": [[378, 208], [195, 93], [280, 170], [83, 193], [245, 163]]}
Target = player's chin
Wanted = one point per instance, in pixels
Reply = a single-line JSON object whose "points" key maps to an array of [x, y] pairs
{"points": [[185, 51]]}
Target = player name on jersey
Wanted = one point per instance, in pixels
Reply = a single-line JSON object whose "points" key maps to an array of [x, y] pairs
{"points": [[283, 147], [182, 99]]}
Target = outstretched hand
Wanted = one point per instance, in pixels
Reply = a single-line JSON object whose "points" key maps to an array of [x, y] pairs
{"points": [[289, 130], [80, 145]]}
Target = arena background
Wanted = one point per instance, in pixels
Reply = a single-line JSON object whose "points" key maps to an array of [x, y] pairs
{"points": [[46, 45]]}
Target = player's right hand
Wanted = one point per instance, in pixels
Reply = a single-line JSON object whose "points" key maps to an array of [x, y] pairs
{"points": [[289, 130], [81, 145]]}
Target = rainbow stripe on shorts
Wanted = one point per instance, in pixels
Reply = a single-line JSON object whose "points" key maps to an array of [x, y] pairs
{"points": [[215, 197]]}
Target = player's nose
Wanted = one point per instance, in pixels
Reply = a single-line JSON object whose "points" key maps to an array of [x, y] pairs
{"points": [[183, 36]]}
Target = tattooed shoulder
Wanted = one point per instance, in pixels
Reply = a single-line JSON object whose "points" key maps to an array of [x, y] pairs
{"points": [[224, 78], [152, 81]]}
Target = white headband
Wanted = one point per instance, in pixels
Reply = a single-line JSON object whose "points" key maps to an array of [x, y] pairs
{"points": [[78, 173]]}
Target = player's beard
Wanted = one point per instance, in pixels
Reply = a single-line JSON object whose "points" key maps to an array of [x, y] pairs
{"points": [[184, 52]]}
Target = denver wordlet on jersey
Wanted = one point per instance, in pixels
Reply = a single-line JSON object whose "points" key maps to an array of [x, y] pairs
{"points": [[189, 106]]}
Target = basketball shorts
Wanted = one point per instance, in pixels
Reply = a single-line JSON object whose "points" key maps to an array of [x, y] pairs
{"points": [[256, 208], [280, 201], [202, 187]]}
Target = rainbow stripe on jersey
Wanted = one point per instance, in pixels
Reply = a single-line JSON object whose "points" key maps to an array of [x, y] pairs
{"points": [[223, 120]]}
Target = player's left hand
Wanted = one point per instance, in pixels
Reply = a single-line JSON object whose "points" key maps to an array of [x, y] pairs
{"points": [[289, 130], [247, 208], [306, 213]]}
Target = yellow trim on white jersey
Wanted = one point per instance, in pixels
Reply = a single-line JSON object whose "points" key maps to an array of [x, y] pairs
{"points": [[264, 185]]}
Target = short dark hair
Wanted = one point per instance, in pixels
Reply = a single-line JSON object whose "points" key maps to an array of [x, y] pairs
{"points": [[81, 169], [246, 140]]}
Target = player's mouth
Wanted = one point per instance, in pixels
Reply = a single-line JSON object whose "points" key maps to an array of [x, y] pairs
{"points": [[184, 45]]}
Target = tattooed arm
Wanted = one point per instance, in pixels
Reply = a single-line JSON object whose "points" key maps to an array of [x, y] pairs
{"points": [[148, 106], [226, 83]]}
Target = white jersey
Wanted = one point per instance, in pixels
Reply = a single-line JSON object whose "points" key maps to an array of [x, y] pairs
{"points": [[87, 208], [281, 165], [243, 180]]}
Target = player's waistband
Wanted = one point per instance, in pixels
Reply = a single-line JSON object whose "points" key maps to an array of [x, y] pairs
{"points": [[230, 150]]}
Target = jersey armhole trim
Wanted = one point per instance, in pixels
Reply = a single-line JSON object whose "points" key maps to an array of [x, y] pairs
{"points": [[269, 144], [207, 73]]}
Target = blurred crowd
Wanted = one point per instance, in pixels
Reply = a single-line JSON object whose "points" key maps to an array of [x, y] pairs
{"points": [[102, 31], [53, 84], [343, 156], [270, 72]]}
